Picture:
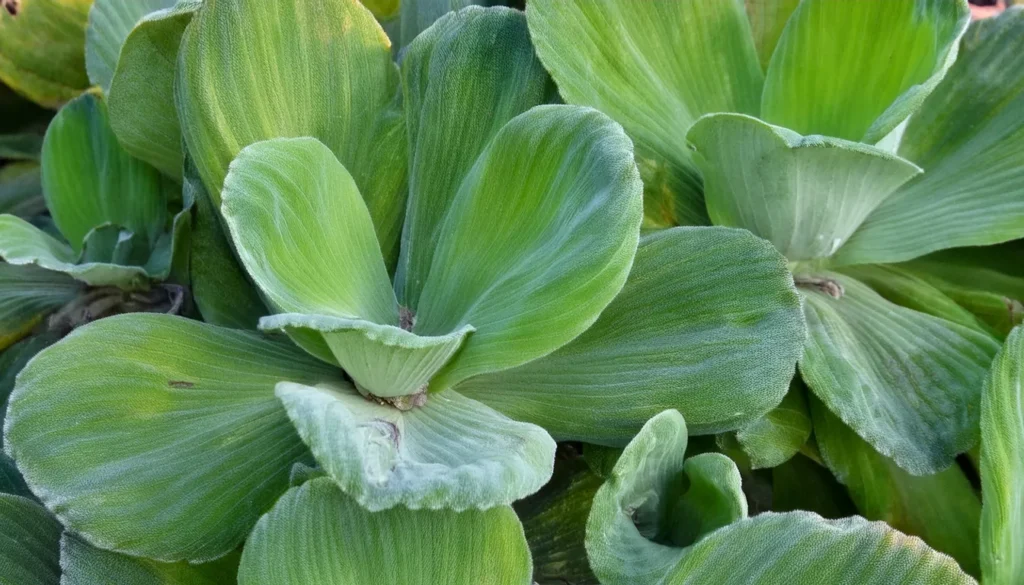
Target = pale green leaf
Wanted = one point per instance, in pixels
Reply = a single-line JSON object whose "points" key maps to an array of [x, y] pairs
{"points": [[42, 53], [141, 96], [943, 509], [21, 190], [778, 435], [533, 268], [252, 70], [27, 295], [316, 535], [89, 180], [14, 359], [797, 548], [969, 138], [654, 67], [800, 548], [22, 244], [416, 16], [183, 468], [907, 289], [907, 382], [304, 234], [855, 70], [463, 80], [1002, 466], [83, 564], [654, 504], [110, 21], [221, 289], [708, 323], [450, 452], [805, 194], [768, 18], [382, 360], [29, 543]]}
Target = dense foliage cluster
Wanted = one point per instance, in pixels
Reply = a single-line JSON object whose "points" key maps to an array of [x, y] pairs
{"points": [[573, 292]]}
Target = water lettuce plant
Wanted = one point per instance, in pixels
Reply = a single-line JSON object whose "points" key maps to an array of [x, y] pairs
{"points": [[760, 118], [417, 232], [486, 297]]}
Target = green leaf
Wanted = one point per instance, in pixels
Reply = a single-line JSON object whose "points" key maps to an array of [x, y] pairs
{"points": [[220, 287], [797, 548], [777, 436], [708, 323], [463, 81], [805, 194], [654, 67], [89, 180], [14, 359], [41, 49], [655, 504], [450, 452], [110, 21], [183, 469], [533, 268], [943, 509], [907, 382], [11, 481], [768, 19], [29, 543], [303, 232], [800, 548], [24, 146], [27, 295], [416, 16], [803, 484], [24, 245], [555, 521], [382, 360], [251, 70], [1002, 465], [142, 110], [316, 535], [21, 190], [969, 138], [855, 70], [907, 289], [83, 564]]}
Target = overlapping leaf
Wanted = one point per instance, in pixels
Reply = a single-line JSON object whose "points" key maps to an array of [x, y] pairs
{"points": [[251, 70], [907, 382], [316, 535], [796, 548], [83, 564], [29, 538], [451, 452], [184, 468], [1002, 466], [27, 295], [805, 194], [708, 323], [41, 49], [969, 138]]}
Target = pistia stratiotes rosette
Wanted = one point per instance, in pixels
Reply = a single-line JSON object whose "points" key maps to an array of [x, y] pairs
{"points": [[766, 115], [462, 265], [117, 231], [661, 518]]}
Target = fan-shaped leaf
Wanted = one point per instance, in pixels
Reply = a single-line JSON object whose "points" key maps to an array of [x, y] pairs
{"points": [[316, 535], [708, 323], [450, 452], [184, 468]]}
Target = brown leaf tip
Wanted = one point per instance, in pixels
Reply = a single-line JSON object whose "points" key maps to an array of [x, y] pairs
{"points": [[12, 6]]}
